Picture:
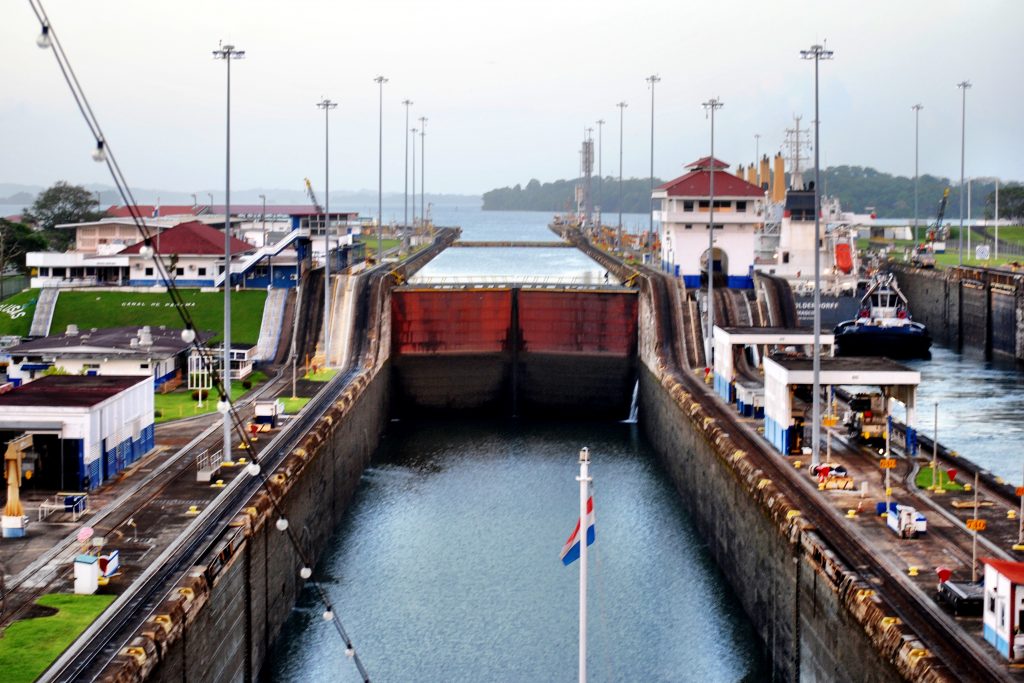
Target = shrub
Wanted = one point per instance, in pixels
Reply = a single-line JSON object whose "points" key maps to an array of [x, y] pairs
{"points": [[200, 394], [158, 413], [246, 384]]}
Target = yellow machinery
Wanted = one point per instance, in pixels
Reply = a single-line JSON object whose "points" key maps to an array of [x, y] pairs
{"points": [[16, 465]]}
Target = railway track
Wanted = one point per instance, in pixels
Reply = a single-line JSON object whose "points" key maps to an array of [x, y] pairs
{"points": [[961, 653]]}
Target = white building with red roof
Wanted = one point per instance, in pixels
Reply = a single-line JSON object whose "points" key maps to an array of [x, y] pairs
{"points": [[1003, 610], [192, 253], [684, 216]]}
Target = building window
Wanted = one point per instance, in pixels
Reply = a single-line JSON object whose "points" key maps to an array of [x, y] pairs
{"points": [[220, 269], [689, 226], [704, 204], [149, 272], [45, 272], [991, 602], [91, 366], [687, 205], [179, 271], [202, 271], [741, 207], [143, 366]]}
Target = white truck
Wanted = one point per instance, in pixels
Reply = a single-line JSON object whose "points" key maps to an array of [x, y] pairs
{"points": [[905, 521]]}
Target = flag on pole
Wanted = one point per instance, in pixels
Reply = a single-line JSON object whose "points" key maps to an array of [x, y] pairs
{"points": [[571, 549]]}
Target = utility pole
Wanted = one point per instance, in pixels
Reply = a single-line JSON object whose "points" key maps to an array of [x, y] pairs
{"points": [[917, 116], [414, 131], [963, 85], [600, 169], [327, 106], [228, 53], [651, 80], [622, 108], [709, 352], [817, 53], [423, 170], [380, 81], [405, 215]]}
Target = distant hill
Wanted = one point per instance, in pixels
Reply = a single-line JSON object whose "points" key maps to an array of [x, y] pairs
{"points": [[857, 187], [558, 196]]}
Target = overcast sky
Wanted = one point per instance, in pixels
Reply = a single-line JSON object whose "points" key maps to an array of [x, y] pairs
{"points": [[508, 87]]}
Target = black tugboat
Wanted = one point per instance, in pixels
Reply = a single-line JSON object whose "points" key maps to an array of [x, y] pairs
{"points": [[883, 326]]}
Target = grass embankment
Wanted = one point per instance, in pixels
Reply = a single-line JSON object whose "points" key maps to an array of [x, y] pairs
{"points": [[950, 258], [371, 243], [29, 646], [924, 480], [324, 375], [128, 309], [16, 313], [293, 405], [179, 404]]}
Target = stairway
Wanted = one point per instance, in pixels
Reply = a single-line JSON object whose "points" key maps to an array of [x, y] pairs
{"points": [[43, 316], [270, 329]]}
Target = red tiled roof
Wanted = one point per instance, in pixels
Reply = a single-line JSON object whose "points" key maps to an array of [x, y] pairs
{"points": [[192, 239], [146, 210], [698, 184], [705, 162], [1014, 571]]}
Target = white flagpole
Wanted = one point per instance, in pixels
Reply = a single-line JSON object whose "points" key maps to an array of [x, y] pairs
{"points": [[584, 480]]}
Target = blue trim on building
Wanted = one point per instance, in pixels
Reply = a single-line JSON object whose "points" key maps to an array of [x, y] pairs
{"points": [[779, 437], [741, 282], [691, 281], [160, 380], [995, 641], [180, 282]]}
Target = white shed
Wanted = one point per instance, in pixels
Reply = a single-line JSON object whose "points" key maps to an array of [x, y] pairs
{"points": [[86, 428], [1003, 612]]}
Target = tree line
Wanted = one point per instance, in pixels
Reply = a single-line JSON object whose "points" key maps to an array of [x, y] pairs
{"points": [[858, 188]]}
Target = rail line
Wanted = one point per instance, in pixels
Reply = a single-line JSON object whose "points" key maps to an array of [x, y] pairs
{"points": [[962, 655]]}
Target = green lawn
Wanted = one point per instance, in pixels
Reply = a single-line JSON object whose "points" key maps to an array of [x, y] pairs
{"points": [[324, 375], [28, 646], [371, 243], [924, 480], [16, 313], [1008, 233], [179, 404], [117, 309], [293, 405]]}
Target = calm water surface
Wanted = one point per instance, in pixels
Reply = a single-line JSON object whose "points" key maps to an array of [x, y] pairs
{"points": [[446, 567]]}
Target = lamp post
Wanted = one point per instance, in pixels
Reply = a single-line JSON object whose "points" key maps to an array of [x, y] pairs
{"points": [[757, 158], [622, 108], [380, 81], [263, 219], [600, 171], [917, 116], [963, 85], [651, 80], [210, 195], [228, 53], [414, 131], [405, 214], [709, 352], [817, 53], [423, 169], [327, 105]]}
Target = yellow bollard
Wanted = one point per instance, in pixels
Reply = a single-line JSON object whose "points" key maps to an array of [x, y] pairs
{"points": [[912, 571], [850, 514], [219, 484], [193, 510], [797, 464], [1011, 514]]}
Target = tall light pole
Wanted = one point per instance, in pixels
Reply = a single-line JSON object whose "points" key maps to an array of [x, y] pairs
{"points": [[651, 80], [380, 81], [600, 168], [917, 116], [263, 219], [228, 53], [423, 170], [414, 131], [327, 106], [622, 108], [817, 53], [757, 157], [405, 215], [963, 85], [710, 106]]}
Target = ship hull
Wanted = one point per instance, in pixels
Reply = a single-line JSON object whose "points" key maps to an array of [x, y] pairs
{"points": [[834, 309], [900, 343]]}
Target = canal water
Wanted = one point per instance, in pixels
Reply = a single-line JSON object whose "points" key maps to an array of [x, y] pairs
{"points": [[447, 568]]}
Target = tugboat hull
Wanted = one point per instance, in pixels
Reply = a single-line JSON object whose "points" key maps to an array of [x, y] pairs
{"points": [[899, 343]]}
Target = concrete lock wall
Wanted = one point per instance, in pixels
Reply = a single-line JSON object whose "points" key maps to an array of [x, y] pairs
{"points": [[817, 619], [220, 622], [968, 309]]}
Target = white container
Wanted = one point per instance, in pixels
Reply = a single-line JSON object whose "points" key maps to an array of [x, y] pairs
{"points": [[87, 574]]}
